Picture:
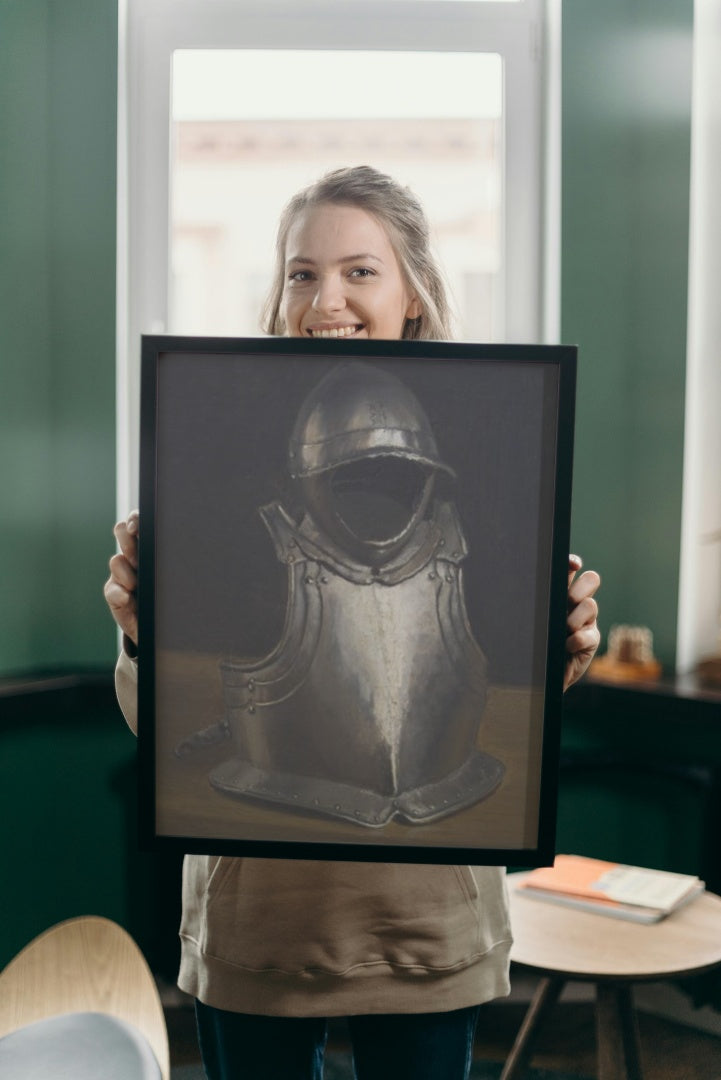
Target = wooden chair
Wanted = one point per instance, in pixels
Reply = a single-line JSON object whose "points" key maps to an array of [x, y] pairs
{"points": [[77, 976]]}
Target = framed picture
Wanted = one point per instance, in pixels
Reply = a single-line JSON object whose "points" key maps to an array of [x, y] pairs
{"points": [[352, 597]]}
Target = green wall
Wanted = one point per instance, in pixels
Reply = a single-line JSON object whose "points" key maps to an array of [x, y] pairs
{"points": [[66, 758], [626, 145], [58, 71]]}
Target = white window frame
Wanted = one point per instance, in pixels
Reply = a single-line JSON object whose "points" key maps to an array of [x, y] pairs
{"points": [[526, 34], [699, 597]]}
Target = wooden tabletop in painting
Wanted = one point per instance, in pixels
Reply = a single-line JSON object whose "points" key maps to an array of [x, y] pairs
{"points": [[189, 698], [558, 940]]}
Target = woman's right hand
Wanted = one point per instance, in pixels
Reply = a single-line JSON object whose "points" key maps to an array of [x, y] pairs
{"points": [[122, 585]]}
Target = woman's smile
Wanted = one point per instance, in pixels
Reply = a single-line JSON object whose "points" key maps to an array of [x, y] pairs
{"points": [[334, 331]]}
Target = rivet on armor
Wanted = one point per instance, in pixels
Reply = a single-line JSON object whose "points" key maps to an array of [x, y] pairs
{"points": [[432, 576], [324, 579], [250, 684], [251, 708], [310, 580]]}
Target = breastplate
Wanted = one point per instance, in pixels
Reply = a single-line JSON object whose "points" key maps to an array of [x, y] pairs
{"points": [[369, 707]]}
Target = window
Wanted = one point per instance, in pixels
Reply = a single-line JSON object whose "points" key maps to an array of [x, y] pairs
{"points": [[236, 161], [227, 107]]}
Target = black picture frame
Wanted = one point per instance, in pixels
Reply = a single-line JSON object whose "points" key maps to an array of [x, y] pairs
{"points": [[296, 774]]}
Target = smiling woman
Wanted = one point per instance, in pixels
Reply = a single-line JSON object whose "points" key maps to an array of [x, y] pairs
{"points": [[378, 653], [353, 259]]}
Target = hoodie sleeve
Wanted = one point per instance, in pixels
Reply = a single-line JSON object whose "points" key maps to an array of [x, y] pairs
{"points": [[126, 688]]}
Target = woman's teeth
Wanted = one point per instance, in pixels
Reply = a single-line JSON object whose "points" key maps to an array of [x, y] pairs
{"points": [[337, 331]]}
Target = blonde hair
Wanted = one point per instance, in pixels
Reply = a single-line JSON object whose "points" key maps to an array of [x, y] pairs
{"points": [[400, 212]]}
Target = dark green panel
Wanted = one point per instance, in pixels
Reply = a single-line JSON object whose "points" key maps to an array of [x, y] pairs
{"points": [[82, 303], [63, 786], [26, 452], [625, 817], [641, 777], [57, 322], [626, 144], [68, 784]]}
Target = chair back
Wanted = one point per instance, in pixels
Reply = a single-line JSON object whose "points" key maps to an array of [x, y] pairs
{"points": [[84, 965]]}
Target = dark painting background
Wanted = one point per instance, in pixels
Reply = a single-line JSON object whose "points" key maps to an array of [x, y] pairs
{"points": [[222, 428]]}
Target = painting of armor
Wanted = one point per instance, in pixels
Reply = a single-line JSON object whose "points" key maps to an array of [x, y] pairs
{"points": [[341, 673], [369, 707]]}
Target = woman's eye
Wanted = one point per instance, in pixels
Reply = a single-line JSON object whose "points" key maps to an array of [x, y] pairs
{"points": [[300, 276], [362, 272]]}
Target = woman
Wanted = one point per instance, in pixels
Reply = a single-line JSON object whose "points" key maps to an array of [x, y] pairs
{"points": [[271, 948]]}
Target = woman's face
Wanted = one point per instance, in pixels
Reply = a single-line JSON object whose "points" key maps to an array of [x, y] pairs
{"points": [[342, 277]]}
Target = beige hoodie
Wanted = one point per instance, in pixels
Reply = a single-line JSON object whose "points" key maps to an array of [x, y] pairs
{"points": [[298, 938]]}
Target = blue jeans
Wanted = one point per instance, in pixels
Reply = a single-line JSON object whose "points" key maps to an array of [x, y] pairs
{"points": [[414, 1046]]}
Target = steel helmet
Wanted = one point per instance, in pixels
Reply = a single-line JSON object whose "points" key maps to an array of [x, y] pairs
{"points": [[358, 411]]}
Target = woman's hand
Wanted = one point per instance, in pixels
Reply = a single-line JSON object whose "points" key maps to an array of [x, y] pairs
{"points": [[583, 636], [121, 587]]}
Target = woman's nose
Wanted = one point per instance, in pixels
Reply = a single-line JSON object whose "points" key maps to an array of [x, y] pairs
{"points": [[329, 296]]}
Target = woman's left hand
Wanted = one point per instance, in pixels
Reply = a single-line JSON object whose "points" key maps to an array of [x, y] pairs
{"points": [[583, 636]]}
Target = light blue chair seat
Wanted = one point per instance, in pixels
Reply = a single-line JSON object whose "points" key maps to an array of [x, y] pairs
{"points": [[80, 1002], [78, 1046]]}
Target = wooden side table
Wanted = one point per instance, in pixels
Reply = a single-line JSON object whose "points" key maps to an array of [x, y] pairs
{"points": [[563, 944]]}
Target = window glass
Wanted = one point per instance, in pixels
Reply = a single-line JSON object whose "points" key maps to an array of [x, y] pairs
{"points": [[251, 127]]}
